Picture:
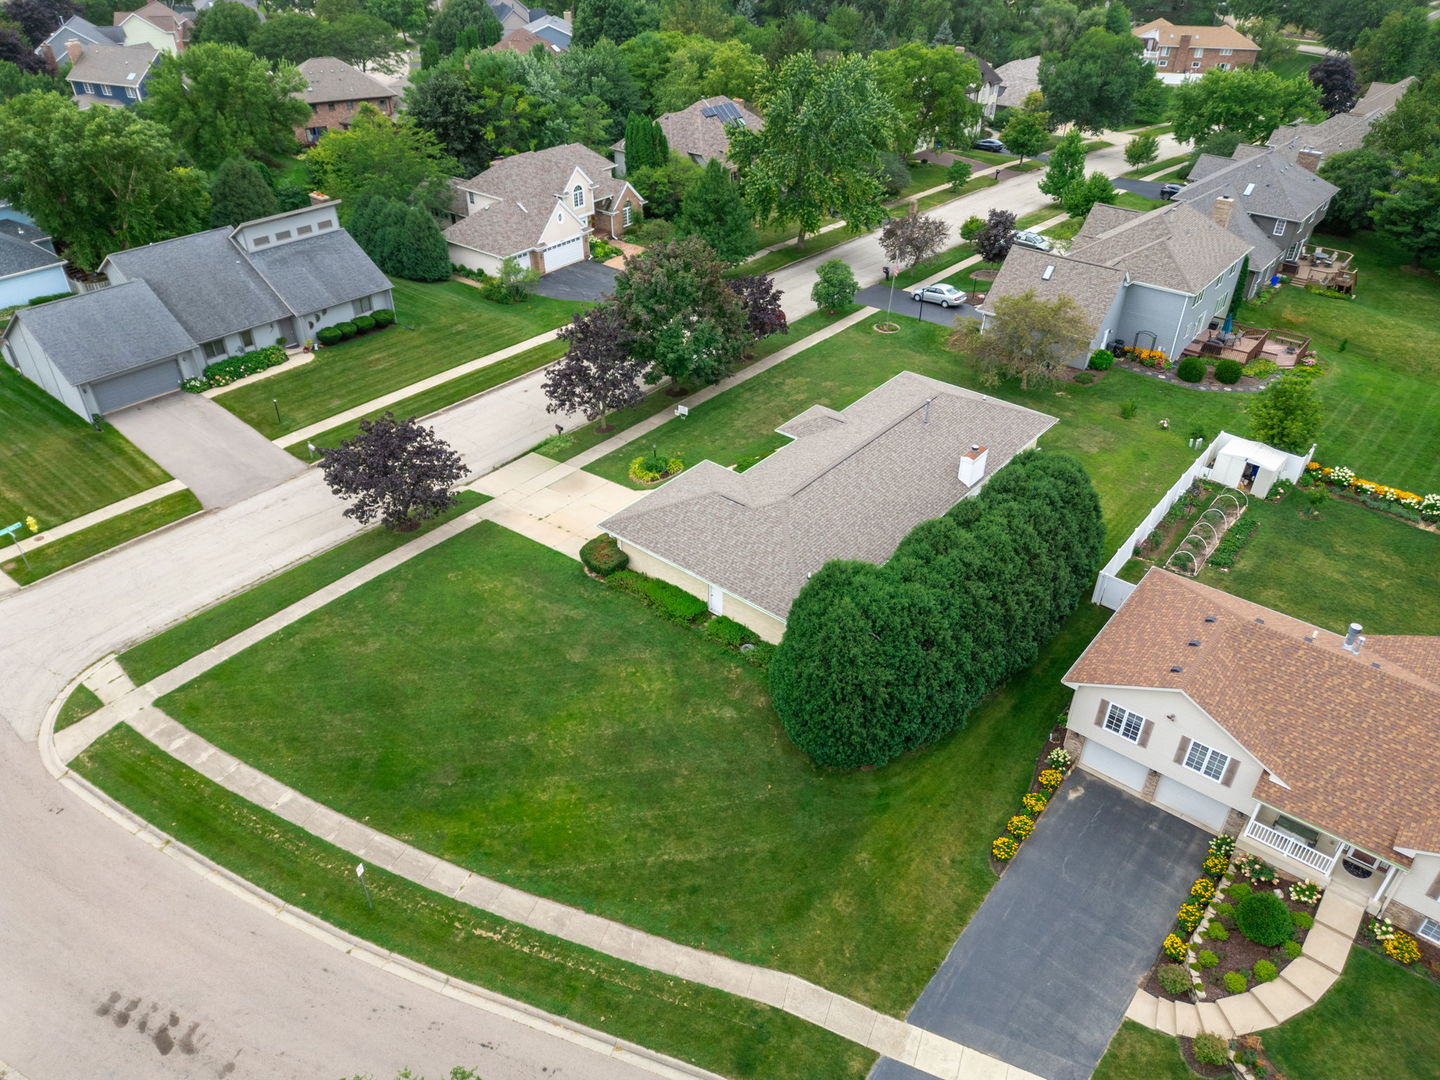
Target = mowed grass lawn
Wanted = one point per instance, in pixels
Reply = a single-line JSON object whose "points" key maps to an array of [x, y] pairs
{"points": [[489, 703], [1382, 393], [1350, 564], [438, 325], [56, 466], [1140, 1053], [1132, 462]]}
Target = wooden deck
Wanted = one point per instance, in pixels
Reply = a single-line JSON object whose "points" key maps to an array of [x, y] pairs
{"points": [[1247, 343], [1330, 268]]}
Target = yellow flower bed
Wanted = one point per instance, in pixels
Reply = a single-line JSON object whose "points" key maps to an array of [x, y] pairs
{"points": [[1402, 947], [1004, 848]]}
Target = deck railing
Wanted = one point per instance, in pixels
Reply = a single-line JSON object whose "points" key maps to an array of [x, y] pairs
{"points": [[1289, 846]]}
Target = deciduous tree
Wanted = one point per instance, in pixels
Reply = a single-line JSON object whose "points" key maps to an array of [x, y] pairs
{"points": [[618, 20], [1067, 166], [819, 153], [1029, 339], [599, 374], [1410, 214], [1246, 100], [293, 37], [1026, 133], [1081, 196], [1286, 415], [456, 16], [395, 159], [992, 243], [1335, 79], [927, 87], [835, 286], [1359, 174], [16, 50], [760, 301], [395, 470], [14, 81], [957, 174], [239, 192], [713, 210], [38, 19], [225, 22], [1094, 83], [1142, 149], [908, 240], [1413, 126]]}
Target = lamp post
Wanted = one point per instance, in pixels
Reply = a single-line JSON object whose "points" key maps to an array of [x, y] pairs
{"points": [[360, 873], [276, 402]]}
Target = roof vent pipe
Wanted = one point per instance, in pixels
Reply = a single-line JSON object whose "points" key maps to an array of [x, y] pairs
{"points": [[1352, 637]]}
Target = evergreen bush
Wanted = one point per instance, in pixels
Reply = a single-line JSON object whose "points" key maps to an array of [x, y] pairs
{"points": [[1292, 950], [1228, 371], [1265, 971], [1174, 979], [347, 328], [1210, 1049], [329, 335], [727, 632], [1264, 919], [364, 324], [671, 600], [383, 317], [1235, 982], [1303, 920], [602, 555], [1190, 369], [1101, 359]]}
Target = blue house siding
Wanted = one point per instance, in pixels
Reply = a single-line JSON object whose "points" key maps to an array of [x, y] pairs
{"points": [[116, 94], [22, 288]]}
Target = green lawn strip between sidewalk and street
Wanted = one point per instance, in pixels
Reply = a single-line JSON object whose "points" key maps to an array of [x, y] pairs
{"points": [[714, 1030], [80, 704], [1140, 1053], [172, 647], [926, 268], [54, 465], [814, 244], [664, 768], [445, 394], [69, 550], [438, 326], [939, 198], [1144, 171]]}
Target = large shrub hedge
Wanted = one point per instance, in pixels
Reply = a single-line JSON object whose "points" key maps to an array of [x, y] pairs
{"points": [[602, 555], [877, 660], [1264, 919]]}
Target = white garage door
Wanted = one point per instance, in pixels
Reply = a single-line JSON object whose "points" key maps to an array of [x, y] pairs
{"points": [[138, 385], [564, 253], [1190, 803], [1124, 771]]}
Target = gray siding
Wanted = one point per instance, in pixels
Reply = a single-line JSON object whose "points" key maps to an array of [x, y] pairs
{"points": [[23, 352]]}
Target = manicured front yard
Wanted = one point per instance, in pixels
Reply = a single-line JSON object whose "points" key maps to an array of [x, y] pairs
{"points": [[68, 550], [1141, 1053], [56, 466], [437, 326], [1350, 564], [489, 703], [714, 1030]]}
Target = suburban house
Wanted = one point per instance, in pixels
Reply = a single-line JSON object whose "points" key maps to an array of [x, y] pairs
{"points": [[335, 91], [81, 31], [540, 207], [1147, 280], [1018, 80], [985, 93], [164, 28], [1315, 748], [553, 30], [849, 485], [515, 16], [175, 306], [113, 75], [29, 266], [522, 41], [700, 132], [1309, 144], [1276, 202], [1182, 51]]}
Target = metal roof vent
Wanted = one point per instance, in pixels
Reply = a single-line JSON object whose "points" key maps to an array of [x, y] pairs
{"points": [[1260, 620], [1049, 270], [1177, 669], [1193, 643], [1209, 618]]}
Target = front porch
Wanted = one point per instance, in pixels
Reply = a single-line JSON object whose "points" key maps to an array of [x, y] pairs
{"points": [[1247, 343], [1329, 268], [1305, 850]]}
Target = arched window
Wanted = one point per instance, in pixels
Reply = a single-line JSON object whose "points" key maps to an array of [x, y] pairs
{"points": [[578, 196]]}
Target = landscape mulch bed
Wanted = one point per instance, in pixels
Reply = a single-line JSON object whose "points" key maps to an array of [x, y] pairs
{"points": [[1055, 739], [1200, 1068]]}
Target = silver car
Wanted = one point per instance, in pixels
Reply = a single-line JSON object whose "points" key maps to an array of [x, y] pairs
{"points": [[1033, 240], [944, 295]]}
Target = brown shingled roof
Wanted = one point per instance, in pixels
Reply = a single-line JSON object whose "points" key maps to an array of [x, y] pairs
{"points": [[521, 41], [1201, 37], [1348, 740]]}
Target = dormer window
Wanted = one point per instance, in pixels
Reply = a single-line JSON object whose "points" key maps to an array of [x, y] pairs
{"points": [[578, 196]]}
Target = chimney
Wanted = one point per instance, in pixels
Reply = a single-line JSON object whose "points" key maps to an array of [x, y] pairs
{"points": [[74, 50], [318, 197], [1220, 212], [1353, 640], [972, 466], [1309, 160]]}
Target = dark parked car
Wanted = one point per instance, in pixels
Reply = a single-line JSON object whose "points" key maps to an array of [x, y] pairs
{"points": [[1169, 191], [995, 146]]}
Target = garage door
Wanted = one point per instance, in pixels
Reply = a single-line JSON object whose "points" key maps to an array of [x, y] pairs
{"points": [[137, 385], [1124, 771], [1186, 801], [564, 253]]}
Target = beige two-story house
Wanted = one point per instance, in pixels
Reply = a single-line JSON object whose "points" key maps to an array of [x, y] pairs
{"points": [[1314, 748], [1182, 51]]}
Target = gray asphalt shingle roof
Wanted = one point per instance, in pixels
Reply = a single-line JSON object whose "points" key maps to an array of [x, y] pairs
{"points": [[851, 486], [113, 65], [328, 79], [206, 281], [1091, 285], [1278, 188], [1175, 247], [21, 249], [82, 30], [1018, 78], [319, 271], [1343, 131], [690, 132], [105, 332]]}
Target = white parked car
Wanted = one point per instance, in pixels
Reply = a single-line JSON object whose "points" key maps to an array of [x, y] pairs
{"points": [[1033, 240], [944, 295]]}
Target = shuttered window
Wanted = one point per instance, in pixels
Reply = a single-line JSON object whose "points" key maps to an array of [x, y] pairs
{"points": [[1206, 761]]}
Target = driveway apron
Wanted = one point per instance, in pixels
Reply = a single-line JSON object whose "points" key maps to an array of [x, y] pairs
{"points": [[585, 280], [1042, 975], [211, 451], [878, 296]]}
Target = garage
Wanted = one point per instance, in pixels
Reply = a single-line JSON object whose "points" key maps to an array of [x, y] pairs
{"points": [[1189, 803], [1117, 767], [564, 253], [138, 385]]}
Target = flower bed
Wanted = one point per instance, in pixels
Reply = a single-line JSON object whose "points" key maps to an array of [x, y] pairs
{"points": [[652, 468], [1242, 924], [1050, 770], [1392, 500], [235, 368]]}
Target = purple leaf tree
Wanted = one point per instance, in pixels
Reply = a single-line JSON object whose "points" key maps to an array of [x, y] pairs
{"points": [[599, 372], [910, 239], [395, 470], [761, 302]]}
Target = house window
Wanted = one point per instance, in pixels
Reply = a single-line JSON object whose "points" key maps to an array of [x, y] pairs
{"points": [[350, 104], [363, 305], [578, 196], [1162, 63], [130, 93], [325, 224], [1124, 723], [260, 241], [213, 350], [1227, 52], [1429, 930], [1205, 761], [89, 87], [1194, 63], [1279, 229], [247, 339], [1198, 53], [331, 106], [304, 230], [626, 215], [1223, 67], [283, 234]]}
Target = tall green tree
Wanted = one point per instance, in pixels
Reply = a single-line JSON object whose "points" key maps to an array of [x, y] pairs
{"points": [[293, 37], [1413, 126], [14, 82], [1405, 43], [365, 41], [1094, 83], [1410, 214], [1341, 22], [1286, 415], [222, 101], [1359, 174], [702, 68], [425, 256], [478, 110], [225, 22], [406, 16], [645, 144], [1066, 167], [1029, 339], [1080, 197], [455, 16], [713, 210], [819, 152], [927, 87], [100, 180], [239, 192], [1248, 101], [1142, 149], [1026, 133], [618, 20], [396, 159]]}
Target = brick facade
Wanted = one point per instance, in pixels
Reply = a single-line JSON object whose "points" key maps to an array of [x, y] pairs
{"points": [[610, 222], [336, 116], [1189, 58]]}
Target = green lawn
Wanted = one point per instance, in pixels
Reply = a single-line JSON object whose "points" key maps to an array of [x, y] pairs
{"points": [[714, 1030], [1382, 393], [179, 643], [1156, 166], [986, 156], [1132, 462], [979, 183], [562, 737], [1140, 1053], [437, 326], [80, 704], [56, 466], [933, 265], [446, 394], [792, 253], [69, 550], [1351, 564]]}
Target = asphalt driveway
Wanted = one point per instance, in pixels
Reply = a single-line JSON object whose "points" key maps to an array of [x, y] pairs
{"points": [[878, 296], [211, 451], [1044, 972], [585, 280], [1149, 188]]}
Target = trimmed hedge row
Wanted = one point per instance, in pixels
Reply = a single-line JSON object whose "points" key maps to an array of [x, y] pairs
{"points": [[671, 600], [361, 324]]}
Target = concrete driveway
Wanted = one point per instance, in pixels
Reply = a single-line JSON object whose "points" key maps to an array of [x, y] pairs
{"points": [[587, 280], [211, 451], [1042, 975], [878, 296]]}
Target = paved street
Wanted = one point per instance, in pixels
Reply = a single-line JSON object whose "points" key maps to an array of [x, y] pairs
{"points": [[1044, 972]]}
